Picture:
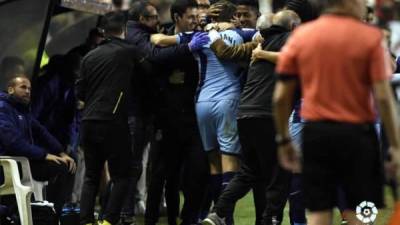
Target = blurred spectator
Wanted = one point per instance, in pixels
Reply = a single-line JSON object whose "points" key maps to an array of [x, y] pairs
{"points": [[95, 37], [53, 104], [9, 67], [304, 8], [121, 4]]}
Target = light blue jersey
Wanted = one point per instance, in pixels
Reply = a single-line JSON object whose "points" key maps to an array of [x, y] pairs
{"points": [[219, 79]]}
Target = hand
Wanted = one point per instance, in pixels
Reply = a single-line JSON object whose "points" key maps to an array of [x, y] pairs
{"points": [[214, 10], [256, 54], [80, 105], [236, 22], [69, 161], [56, 159], [214, 35], [289, 158], [199, 39]]}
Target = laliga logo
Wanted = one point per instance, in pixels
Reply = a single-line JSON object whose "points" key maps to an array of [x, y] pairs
{"points": [[366, 212]]}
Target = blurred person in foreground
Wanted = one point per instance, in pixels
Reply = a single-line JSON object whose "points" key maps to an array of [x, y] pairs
{"points": [[340, 145]]}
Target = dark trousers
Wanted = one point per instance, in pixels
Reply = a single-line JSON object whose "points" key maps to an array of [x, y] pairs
{"points": [[178, 152], [344, 155], [141, 134], [277, 195], [260, 201], [257, 137], [105, 141], [60, 181]]}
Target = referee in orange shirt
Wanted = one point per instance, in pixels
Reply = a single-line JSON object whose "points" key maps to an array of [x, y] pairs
{"points": [[340, 63]]}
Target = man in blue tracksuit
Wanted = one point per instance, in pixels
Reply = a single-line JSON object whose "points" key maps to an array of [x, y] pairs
{"points": [[22, 135]]}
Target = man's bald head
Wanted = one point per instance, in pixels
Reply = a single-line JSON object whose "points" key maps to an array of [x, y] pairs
{"points": [[287, 19], [20, 87]]}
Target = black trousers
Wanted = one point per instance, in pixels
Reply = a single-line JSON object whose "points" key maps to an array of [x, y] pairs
{"points": [[60, 181], [141, 129], [344, 155], [105, 141], [178, 154], [259, 159], [277, 195]]}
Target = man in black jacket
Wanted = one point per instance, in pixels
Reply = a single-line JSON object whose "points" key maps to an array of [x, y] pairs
{"points": [[180, 147], [148, 103], [104, 87]]}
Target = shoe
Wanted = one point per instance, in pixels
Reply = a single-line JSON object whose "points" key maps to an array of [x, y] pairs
{"points": [[213, 219], [140, 207], [104, 222]]}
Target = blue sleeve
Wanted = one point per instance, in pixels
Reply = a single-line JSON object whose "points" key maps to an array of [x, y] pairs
{"points": [[246, 33], [45, 139], [13, 140], [185, 37]]}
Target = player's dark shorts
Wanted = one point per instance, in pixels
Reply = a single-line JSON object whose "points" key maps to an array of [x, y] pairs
{"points": [[341, 154]]}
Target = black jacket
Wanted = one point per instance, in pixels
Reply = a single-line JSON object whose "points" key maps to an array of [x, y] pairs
{"points": [[181, 88], [139, 35], [106, 79], [148, 96], [256, 98]]}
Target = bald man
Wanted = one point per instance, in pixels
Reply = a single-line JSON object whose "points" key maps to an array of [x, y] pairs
{"points": [[255, 124], [22, 135]]}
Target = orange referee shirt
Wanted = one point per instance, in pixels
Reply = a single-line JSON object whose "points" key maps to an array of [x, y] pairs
{"points": [[337, 59]]}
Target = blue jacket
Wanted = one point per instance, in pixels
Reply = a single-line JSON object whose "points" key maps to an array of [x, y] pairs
{"points": [[19, 131]]}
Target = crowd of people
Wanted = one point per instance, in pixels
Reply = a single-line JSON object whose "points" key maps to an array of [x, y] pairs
{"points": [[296, 106]]}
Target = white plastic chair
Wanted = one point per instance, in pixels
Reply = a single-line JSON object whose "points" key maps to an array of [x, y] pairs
{"points": [[38, 187], [27, 179], [12, 185]]}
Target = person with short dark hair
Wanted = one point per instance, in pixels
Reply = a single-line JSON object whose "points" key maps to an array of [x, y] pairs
{"points": [[247, 13], [23, 135], [104, 88], [340, 146]]}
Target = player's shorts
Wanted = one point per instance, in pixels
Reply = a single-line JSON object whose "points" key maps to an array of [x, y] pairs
{"points": [[345, 155], [218, 126]]}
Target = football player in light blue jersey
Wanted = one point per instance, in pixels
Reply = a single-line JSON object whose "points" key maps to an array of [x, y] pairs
{"points": [[217, 100]]}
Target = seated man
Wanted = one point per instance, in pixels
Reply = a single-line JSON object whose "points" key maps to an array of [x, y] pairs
{"points": [[22, 135]]}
